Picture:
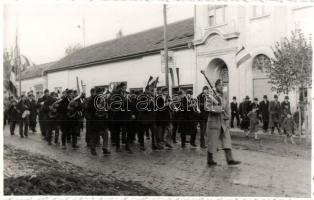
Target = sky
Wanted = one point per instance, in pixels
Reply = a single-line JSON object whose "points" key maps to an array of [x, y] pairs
{"points": [[45, 30]]}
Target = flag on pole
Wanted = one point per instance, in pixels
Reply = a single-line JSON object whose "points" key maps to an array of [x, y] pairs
{"points": [[242, 56]]}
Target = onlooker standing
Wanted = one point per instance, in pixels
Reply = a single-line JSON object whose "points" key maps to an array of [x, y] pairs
{"points": [[275, 112], [24, 112], [234, 112], [13, 116], [263, 109], [246, 108], [241, 114]]}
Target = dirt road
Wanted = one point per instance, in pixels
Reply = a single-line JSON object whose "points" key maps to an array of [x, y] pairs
{"points": [[267, 169]]}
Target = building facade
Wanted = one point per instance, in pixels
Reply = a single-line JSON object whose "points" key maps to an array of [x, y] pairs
{"points": [[231, 42], [224, 31]]}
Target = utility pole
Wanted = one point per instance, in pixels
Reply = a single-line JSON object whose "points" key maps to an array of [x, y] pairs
{"points": [[166, 46]]}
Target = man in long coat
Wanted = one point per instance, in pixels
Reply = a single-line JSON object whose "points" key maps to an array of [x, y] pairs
{"points": [[218, 127], [264, 106], [275, 114]]}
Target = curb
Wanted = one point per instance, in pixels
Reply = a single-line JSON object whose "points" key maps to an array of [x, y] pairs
{"points": [[300, 140]]}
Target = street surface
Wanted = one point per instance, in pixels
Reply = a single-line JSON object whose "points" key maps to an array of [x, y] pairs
{"points": [[268, 168]]}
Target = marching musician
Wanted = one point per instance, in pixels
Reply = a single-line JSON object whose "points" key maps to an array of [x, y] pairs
{"points": [[42, 116], [203, 116], [88, 116], [62, 110], [74, 113], [33, 112], [23, 108], [218, 127], [50, 106], [163, 118], [98, 121]]}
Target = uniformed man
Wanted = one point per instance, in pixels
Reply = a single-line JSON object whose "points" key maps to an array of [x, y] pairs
{"points": [[203, 116], [33, 113], [23, 108], [88, 115], [74, 113], [51, 106], [118, 115], [99, 117], [64, 121], [218, 127], [163, 118], [146, 117], [42, 116]]}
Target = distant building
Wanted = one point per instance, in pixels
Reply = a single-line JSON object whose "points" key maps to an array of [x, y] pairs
{"points": [[131, 59], [33, 79]]}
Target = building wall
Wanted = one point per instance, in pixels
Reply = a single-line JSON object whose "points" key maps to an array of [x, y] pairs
{"points": [[257, 33], [135, 71], [29, 84]]}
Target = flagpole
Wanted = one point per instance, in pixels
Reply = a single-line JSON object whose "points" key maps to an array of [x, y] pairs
{"points": [[166, 46]]}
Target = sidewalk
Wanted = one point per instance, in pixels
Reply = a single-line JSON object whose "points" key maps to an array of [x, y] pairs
{"points": [[299, 139]]}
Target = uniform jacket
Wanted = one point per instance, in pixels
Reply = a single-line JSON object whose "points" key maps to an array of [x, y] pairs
{"points": [[217, 120], [163, 115]]}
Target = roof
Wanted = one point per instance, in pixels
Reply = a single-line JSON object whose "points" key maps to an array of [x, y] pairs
{"points": [[142, 43], [35, 71]]}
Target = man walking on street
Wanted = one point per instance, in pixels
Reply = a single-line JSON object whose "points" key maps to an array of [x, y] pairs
{"points": [[217, 126], [23, 108]]}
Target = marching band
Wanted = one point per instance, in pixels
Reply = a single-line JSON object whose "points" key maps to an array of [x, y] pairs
{"points": [[121, 117]]}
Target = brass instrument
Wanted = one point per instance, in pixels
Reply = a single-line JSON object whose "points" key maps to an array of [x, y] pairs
{"points": [[53, 109], [216, 97]]}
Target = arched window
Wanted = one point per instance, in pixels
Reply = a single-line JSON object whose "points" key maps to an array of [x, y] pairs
{"points": [[261, 86], [260, 63]]}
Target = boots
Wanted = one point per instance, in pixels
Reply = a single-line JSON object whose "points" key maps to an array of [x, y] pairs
{"points": [[210, 160], [93, 151], [192, 140], [229, 158]]}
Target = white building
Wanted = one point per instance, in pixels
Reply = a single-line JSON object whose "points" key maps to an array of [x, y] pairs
{"points": [[34, 79], [131, 59], [220, 31], [208, 42]]}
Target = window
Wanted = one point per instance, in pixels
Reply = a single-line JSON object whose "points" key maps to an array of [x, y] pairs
{"points": [[216, 15], [259, 11], [260, 63], [58, 90]]}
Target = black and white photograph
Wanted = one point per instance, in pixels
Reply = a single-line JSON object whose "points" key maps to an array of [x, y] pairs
{"points": [[163, 99]]}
